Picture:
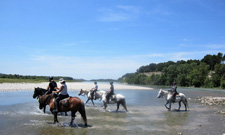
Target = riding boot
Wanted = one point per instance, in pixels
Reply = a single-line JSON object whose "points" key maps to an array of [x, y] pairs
{"points": [[92, 95], [174, 98], [56, 106], [107, 100]]}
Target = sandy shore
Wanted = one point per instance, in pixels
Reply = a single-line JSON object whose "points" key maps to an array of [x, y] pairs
{"points": [[70, 85]]}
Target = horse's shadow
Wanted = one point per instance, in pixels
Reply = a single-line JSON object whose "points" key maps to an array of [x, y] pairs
{"points": [[110, 111], [68, 125], [118, 112], [176, 110], [76, 125]]}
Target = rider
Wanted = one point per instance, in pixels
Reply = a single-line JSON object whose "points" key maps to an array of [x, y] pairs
{"points": [[52, 86], [62, 93], [93, 90], [174, 90], [110, 92]]}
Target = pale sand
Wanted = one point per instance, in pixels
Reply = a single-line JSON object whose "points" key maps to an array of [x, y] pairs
{"points": [[70, 85]]}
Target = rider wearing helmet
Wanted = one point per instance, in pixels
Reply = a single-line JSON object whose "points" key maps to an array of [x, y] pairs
{"points": [[174, 91], [52, 86], [110, 92], [94, 90]]}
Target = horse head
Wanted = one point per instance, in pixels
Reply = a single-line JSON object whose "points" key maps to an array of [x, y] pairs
{"points": [[160, 94], [39, 92], [36, 92], [81, 92]]}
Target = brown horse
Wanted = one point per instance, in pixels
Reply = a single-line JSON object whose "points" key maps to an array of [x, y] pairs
{"points": [[72, 104], [39, 92]]}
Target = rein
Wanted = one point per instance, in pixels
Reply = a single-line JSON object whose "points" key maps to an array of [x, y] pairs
{"points": [[83, 94]]}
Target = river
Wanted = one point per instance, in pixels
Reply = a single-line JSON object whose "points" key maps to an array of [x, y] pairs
{"points": [[19, 114]]}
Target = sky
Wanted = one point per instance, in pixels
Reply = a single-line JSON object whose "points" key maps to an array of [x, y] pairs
{"points": [[105, 39]]}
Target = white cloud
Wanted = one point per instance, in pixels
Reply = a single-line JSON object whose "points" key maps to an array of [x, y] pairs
{"points": [[119, 13]]}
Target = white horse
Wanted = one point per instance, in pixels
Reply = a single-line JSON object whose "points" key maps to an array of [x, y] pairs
{"points": [[98, 95], [168, 96], [118, 99]]}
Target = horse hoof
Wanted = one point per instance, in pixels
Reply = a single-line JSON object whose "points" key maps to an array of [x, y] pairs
{"points": [[59, 124]]}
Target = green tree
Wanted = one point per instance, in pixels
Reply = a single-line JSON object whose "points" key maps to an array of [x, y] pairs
{"points": [[212, 60], [219, 74], [170, 73], [198, 74]]}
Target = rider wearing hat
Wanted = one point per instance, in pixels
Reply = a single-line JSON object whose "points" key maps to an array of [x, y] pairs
{"points": [[62, 93], [52, 86]]}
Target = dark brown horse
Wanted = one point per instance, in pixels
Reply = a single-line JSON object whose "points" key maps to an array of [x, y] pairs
{"points": [[72, 104], [39, 92]]}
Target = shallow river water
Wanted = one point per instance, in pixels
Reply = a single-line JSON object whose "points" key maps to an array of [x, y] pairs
{"points": [[19, 114]]}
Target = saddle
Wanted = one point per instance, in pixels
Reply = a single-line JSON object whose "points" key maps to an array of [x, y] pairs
{"points": [[64, 102], [112, 98]]}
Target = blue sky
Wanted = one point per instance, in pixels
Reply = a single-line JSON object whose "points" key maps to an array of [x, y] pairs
{"points": [[94, 39]]}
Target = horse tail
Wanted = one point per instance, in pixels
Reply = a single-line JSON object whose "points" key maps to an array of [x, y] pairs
{"points": [[124, 104], [83, 112]]}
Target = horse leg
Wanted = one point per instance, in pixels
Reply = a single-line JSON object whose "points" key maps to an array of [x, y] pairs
{"points": [[87, 100], [92, 102], [179, 105], [55, 118], [185, 104], [169, 106], [118, 106], [105, 105], [73, 118], [166, 105], [44, 108]]}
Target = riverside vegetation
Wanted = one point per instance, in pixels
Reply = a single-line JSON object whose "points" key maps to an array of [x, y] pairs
{"points": [[208, 72], [9, 78]]}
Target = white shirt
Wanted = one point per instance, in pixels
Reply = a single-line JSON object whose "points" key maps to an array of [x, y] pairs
{"points": [[96, 87], [64, 90]]}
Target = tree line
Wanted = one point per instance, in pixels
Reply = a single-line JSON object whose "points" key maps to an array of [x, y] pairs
{"points": [[16, 76], [208, 72]]}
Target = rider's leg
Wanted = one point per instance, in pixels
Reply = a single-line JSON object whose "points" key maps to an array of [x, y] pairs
{"points": [[107, 98], [57, 102], [92, 95], [56, 105], [174, 97]]}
